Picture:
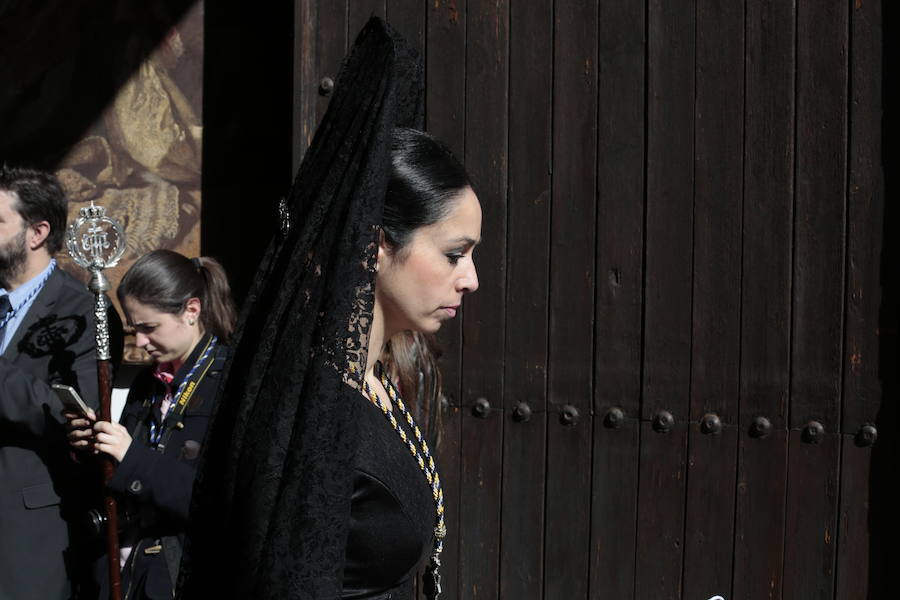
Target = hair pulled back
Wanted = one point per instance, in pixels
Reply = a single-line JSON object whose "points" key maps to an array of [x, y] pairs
{"points": [[426, 181], [425, 184], [166, 280]]}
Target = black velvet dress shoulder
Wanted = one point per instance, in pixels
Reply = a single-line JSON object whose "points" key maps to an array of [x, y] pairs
{"points": [[391, 512]]}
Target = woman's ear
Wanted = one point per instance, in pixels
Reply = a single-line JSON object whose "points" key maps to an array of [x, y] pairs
{"points": [[383, 249], [192, 310]]}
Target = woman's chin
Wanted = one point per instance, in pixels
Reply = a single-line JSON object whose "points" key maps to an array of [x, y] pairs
{"points": [[429, 327], [436, 328]]}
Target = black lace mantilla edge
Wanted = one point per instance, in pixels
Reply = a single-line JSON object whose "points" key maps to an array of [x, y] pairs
{"points": [[272, 498]]}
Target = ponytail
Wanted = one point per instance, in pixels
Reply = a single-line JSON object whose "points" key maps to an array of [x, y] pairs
{"points": [[166, 280], [218, 313]]}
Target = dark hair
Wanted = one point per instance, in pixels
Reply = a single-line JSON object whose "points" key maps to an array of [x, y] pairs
{"points": [[38, 197], [425, 184], [166, 280], [426, 180], [411, 359]]}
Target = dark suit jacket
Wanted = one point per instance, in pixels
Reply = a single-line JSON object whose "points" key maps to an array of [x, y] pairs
{"points": [[38, 492]]}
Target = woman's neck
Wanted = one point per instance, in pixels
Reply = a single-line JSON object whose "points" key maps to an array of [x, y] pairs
{"points": [[378, 337], [179, 362]]}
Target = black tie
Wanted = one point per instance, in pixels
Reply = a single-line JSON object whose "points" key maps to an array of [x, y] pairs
{"points": [[5, 306]]}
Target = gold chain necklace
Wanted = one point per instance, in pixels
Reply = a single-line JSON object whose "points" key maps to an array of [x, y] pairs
{"points": [[422, 455]]}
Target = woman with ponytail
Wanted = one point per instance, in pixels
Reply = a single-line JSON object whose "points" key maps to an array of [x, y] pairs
{"points": [[182, 315]]}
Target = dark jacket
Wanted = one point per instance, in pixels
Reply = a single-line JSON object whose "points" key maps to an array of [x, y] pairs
{"points": [[155, 487], [38, 501]]}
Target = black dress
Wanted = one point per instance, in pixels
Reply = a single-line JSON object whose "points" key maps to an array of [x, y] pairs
{"points": [[391, 512], [154, 488]]}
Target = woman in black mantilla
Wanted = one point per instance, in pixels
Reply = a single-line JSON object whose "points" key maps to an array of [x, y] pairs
{"points": [[182, 314], [314, 482]]}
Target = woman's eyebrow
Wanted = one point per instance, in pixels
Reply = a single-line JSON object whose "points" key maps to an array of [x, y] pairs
{"points": [[464, 241]]}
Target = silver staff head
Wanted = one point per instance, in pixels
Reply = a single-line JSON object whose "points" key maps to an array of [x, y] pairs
{"points": [[96, 242]]}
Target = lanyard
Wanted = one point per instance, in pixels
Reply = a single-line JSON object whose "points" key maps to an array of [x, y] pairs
{"points": [[185, 391], [13, 312]]}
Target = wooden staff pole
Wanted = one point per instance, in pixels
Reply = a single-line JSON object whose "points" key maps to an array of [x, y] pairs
{"points": [[105, 389], [89, 245]]}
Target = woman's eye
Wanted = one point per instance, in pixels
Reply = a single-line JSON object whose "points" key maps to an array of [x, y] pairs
{"points": [[454, 258]]}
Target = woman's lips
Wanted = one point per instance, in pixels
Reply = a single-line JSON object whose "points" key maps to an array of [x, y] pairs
{"points": [[451, 310]]}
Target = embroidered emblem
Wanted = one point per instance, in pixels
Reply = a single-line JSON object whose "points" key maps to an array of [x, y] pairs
{"points": [[51, 333]]}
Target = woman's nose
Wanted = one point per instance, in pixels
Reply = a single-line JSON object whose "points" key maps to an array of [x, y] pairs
{"points": [[469, 281], [140, 340]]}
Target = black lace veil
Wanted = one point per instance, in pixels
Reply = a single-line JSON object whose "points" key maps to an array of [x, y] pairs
{"points": [[272, 499]]}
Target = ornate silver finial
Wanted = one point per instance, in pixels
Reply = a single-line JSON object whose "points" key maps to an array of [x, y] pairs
{"points": [[96, 242]]}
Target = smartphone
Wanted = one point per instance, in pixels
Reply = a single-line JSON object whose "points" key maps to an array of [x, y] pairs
{"points": [[70, 399]]}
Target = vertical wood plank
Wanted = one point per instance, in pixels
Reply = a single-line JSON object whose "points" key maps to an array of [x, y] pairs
{"points": [[715, 345], [528, 249], [863, 481], [445, 101], [862, 387], [817, 298], [614, 509], [408, 18], [709, 518], [852, 579], [619, 295], [445, 109], [667, 309], [571, 299], [620, 205], [305, 93], [820, 207], [359, 12], [487, 58], [670, 149], [718, 189], [811, 524], [660, 535], [765, 297], [331, 46], [760, 518]]}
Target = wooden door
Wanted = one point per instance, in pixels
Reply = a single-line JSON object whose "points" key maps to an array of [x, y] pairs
{"points": [[670, 379]]}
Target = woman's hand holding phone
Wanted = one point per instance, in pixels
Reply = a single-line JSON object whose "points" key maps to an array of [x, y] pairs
{"points": [[85, 432], [79, 427]]}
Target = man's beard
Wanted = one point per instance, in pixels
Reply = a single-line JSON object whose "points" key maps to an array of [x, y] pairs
{"points": [[13, 257]]}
